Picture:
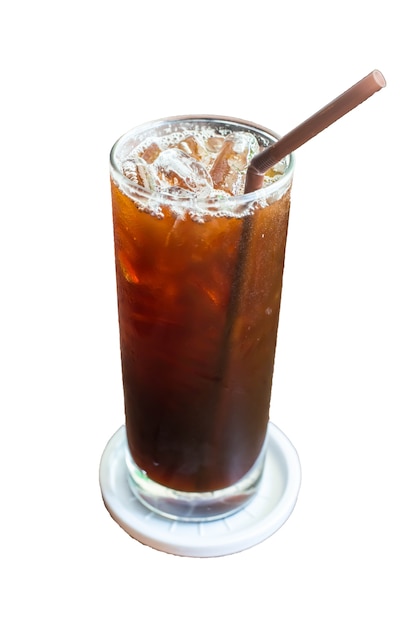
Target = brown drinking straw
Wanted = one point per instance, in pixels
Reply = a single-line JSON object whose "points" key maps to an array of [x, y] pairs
{"points": [[323, 118]]}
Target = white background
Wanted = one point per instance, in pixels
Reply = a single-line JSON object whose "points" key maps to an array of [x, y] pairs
{"points": [[74, 77]]}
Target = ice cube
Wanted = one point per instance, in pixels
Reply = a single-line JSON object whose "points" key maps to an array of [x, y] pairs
{"points": [[151, 152], [175, 168], [140, 172], [275, 172], [193, 147], [215, 143], [229, 168]]}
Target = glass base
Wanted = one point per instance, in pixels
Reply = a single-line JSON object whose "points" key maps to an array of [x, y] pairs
{"points": [[271, 506], [194, 506]]}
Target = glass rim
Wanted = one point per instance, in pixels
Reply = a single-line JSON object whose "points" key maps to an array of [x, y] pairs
{"points": [[281, 184]]}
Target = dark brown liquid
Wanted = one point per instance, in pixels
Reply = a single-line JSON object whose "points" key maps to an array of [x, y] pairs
{"points": [[198, 313]]}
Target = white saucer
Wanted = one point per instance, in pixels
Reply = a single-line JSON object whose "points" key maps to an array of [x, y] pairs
{"points": [[265, 514]]}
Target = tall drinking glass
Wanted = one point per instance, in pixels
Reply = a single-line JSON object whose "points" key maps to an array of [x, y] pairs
{"points": [[199, 277]]}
